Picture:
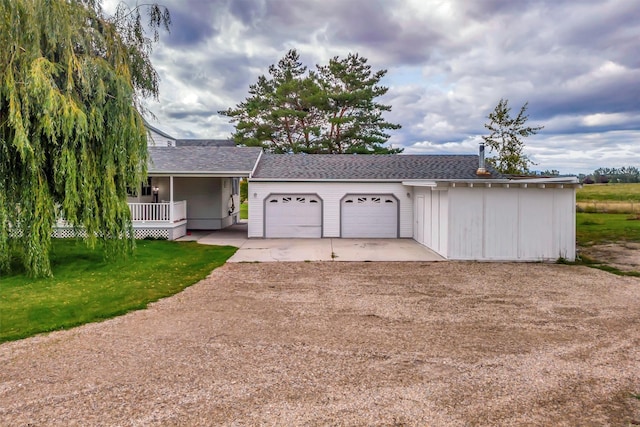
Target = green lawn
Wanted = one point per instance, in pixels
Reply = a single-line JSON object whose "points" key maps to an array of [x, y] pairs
{"points": [[594, 228], [85, 288], [244, 211]]}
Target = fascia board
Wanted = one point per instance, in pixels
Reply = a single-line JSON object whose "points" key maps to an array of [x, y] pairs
{"points": [[221, 174]]}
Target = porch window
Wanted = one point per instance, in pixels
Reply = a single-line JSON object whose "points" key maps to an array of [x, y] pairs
{"points": [[146, 188]]}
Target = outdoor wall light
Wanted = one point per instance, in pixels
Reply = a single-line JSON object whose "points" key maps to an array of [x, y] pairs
{"points": [[255, 195]]}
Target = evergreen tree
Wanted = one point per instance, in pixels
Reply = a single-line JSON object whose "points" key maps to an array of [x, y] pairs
{"points": [[330, 110], [72, 139], [506, 138]]}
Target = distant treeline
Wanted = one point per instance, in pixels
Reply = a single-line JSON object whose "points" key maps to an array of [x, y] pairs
{"points": [[605, 175]]}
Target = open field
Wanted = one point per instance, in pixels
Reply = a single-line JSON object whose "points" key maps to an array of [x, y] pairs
{"points": [[443, 344], [609, 198]]}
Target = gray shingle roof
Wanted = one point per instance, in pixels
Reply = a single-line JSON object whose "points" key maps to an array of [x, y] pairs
{"points": [[203, 160], [205, 143], [368, 167]]}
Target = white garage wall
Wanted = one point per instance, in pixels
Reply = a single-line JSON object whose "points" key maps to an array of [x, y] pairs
{"points": [[331, 193], [431, 218], [500, 227], [519, 224]]}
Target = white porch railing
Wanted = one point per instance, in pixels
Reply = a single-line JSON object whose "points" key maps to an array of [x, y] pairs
{"points": [[158, 212], [179, 210]]}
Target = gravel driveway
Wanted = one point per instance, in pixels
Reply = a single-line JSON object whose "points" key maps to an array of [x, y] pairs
{"points": [[442, 344]]}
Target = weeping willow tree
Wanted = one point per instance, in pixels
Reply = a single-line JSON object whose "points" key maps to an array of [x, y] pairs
{"points": [[72, 139]]}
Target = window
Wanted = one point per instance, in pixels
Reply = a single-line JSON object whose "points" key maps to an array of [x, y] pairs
{"points": [[146, 188]]}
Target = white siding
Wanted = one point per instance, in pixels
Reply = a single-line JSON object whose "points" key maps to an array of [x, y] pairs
{"points": [[518, 224], [431, 219], [466, 223], [565, 223], [154, 139], [536, 225], [440, 222], [331, 193], [500, 230]]}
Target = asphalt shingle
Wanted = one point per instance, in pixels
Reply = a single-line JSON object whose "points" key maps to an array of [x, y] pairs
{"points": [[368, 167], [205, 143], [207, 159]]}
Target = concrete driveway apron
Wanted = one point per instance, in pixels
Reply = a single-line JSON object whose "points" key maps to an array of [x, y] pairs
{"points": [[300, 250]]}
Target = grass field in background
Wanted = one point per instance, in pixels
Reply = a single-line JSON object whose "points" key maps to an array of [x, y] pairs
{"points": [[611, 192], [609, 198], [85, 288], [244, 211]]}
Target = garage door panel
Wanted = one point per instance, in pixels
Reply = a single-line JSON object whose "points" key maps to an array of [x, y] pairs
{"points": [[293, 216], [369, 216]]}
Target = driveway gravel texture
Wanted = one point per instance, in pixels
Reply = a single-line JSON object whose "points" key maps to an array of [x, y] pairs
{"points": [[354, 344]]}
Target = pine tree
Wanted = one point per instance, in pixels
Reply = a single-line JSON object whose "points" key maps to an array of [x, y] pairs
{"points": [[330, 110]]}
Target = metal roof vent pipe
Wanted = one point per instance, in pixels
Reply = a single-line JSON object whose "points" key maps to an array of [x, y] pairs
{"points": [[482, 170]]}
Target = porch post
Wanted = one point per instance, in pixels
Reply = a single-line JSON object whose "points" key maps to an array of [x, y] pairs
{"points": [[171, 199]]}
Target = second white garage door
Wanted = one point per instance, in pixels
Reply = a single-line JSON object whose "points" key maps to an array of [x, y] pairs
{"points": [[293, 216], [369, 216]]}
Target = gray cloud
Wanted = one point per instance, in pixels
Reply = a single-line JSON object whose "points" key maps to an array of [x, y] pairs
{"points": [[192, 24], [577, 63]]}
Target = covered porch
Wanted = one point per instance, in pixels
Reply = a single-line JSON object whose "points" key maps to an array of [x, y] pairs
{"points": [[192, 188], [154, 217], [159, 220]]}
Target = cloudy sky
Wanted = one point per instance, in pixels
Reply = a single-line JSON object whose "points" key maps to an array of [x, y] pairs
{"points": [[577, 63]]}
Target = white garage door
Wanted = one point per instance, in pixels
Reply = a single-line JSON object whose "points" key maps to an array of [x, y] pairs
{"points": [[293, 215], [369, 216]]}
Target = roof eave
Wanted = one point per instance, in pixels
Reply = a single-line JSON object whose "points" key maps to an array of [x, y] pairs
{"points": [[221, 174], [503, 182], [323, 180]]}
